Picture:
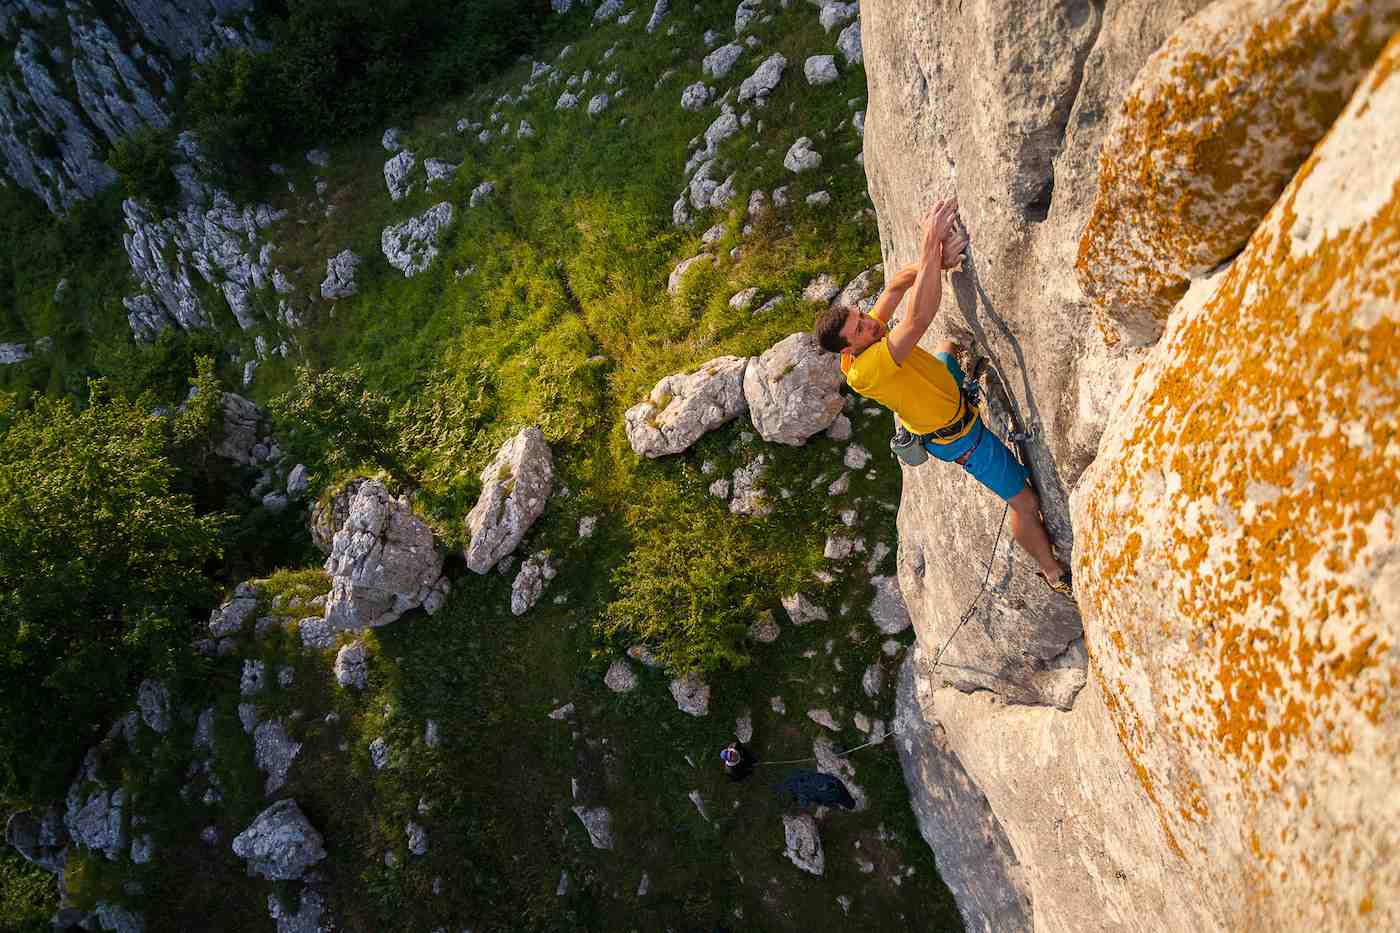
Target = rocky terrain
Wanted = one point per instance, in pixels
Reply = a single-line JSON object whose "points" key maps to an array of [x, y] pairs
{"points": [[111, 72]]}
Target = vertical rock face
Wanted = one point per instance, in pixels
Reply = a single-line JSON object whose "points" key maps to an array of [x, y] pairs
{"points": [[86, 74], [975, 859], [1242, 545], [1215, 125], [1220, 717]]}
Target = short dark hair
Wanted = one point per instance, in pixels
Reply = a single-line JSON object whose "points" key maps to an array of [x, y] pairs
{"points": [[827, 328]]}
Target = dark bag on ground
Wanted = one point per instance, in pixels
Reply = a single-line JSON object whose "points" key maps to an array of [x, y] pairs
{"points": [[812, 788]]}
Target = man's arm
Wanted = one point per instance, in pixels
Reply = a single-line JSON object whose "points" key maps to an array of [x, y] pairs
{"points": [[953, 245], [928, 284], [894, 293]]}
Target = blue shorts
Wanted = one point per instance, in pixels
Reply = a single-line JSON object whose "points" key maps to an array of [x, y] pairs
{"points": [[991, 463]]}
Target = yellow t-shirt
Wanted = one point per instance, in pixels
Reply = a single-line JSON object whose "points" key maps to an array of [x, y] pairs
{"points": [[921, 392]]}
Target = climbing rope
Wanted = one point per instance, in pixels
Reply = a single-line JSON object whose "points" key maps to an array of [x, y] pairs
{"points": [[1015, 437]]}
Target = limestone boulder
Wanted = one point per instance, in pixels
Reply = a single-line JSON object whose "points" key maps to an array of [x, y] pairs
{"points": [[412, 245], [684, 406], [352, 666], [692, 695], [529, 582], [598, 822], [274, 751], [719, 62], [673, 284], [340, 275], [239, 437], [383, 562], [793, 389], [229, 617], [801, 157], [440, 169], [802, 843], [620, 677], [1213, 128], [280, 844], [695, 97], [329, 514], [750, 495], [658, 13], [397, 174], [849, 44], [820, 69], [764, 80], [515, 487], [153, 700]]}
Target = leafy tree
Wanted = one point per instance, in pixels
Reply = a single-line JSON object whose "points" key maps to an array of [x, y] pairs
{"points": [[337, 68], [100, 566]]}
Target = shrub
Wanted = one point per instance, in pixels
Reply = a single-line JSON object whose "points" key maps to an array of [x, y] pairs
{"points": [[691, 583], [337, 68], [332, 422], [100, 567], [143, 161]]}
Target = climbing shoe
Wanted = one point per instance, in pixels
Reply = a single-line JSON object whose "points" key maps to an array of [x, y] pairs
{"points": [[1064, 585]]}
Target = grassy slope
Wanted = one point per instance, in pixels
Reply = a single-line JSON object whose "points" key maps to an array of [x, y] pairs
{"points": [[571, 260]]}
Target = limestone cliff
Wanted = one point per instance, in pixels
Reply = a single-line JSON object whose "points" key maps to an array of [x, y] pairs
{"points": [[85, 74], [1210, 746]]}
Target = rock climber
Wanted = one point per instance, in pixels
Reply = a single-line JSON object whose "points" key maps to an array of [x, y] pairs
{"points": [[925, 390]]}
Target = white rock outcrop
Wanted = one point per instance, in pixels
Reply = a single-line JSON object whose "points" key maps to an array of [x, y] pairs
{"points": [[396, 174], [764, 80], [803, 844], [515, 487], [412, 245], [684, 406], [793, 390], [383, 562], [280, 844], [340, 275]]}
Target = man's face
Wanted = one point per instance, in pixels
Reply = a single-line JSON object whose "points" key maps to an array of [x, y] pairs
{"points": [[861, 330]]}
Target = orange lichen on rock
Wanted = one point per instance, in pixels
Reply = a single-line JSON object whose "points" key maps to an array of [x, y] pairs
{"points": [[1239, 534], [1215, 125]]}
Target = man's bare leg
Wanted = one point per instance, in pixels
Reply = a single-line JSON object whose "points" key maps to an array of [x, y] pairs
{"points": [[1028, 529]]}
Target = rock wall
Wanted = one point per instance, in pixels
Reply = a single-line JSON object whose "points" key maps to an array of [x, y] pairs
{"points": [[1158, 761], [87, 73]]}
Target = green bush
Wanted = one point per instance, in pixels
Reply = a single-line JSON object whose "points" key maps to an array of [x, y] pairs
{"points": [[693, 581], [28, 895], [332, 422], [143, 161], [101, 565]]}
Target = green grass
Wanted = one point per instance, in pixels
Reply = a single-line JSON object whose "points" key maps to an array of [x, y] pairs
{"points": [[565, 323]]}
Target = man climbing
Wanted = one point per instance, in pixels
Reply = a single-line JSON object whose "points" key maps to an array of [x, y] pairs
{"points": [[925, 390]]}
